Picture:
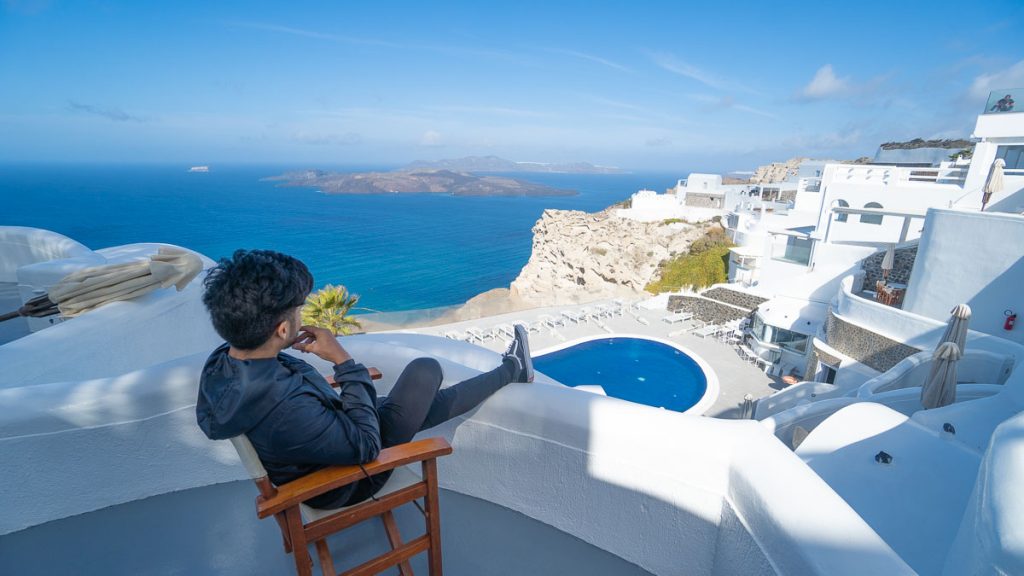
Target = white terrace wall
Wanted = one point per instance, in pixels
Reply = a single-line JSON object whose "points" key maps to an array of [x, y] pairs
{"points": [[670, 492], [909, 328], [973, 258]]}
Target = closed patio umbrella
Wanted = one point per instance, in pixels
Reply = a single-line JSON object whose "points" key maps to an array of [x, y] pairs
{"points": [[90, 288], [940, 387], [994, 182], [956, 327], [888, 261]]}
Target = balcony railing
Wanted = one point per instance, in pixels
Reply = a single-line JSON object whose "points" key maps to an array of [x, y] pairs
{"points": [[886, 175], [1003, 101]]}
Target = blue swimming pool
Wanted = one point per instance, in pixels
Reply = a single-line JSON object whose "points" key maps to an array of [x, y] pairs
{"points": [[634, 369]]}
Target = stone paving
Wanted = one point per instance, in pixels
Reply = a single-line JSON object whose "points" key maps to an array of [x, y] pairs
{"points": [[736, 377]]}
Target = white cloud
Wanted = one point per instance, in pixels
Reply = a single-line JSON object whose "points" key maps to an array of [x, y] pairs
{"points": [[491, 110], [431, 138], [313, 34], [729, 102], [677, 66], [1012, 77], [825, 84], [592, 58]]}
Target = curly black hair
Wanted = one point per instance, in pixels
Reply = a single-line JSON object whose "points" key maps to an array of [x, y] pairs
{"points": [[251, 293]]}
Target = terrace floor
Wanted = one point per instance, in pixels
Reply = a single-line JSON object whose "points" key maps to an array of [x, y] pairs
{"points": [[213, 530], [736, 376]]}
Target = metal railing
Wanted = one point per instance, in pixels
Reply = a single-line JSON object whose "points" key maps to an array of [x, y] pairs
{"points": [[886, 175]]}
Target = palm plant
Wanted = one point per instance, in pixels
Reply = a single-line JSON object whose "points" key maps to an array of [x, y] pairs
{"points": [[329, 308]]}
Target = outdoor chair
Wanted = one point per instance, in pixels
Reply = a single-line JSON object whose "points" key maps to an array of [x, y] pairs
{"points": [[302, 525]]}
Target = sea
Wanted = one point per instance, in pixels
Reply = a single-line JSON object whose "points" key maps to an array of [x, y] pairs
{"points": [[398, 252]]}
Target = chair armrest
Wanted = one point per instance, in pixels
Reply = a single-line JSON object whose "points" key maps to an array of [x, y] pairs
{"points": [[374, 375], [326, 479]]}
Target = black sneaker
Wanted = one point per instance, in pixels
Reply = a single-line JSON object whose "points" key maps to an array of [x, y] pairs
{"points": [[519, 351]]}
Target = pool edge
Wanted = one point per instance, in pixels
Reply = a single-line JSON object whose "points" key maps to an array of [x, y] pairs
{"points": [[711, 389]]}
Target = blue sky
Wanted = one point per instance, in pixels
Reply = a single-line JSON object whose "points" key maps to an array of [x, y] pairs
{"points": [[669, 86]]}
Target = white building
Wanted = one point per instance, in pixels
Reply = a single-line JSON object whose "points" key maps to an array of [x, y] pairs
{"points": [[857, 210]]}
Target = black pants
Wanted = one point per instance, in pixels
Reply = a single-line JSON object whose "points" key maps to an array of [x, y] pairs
{"points": [[417, 403]]}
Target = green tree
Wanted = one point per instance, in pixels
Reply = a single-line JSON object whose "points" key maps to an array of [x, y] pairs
{"points": [[329, 308]]}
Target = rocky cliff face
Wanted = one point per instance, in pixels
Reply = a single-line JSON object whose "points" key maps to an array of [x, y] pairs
{"points": [[579, 257], [776, 171]]}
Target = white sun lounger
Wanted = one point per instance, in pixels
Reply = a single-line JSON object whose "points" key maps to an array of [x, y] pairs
{"points": [[455, 335], [678, 317], [475, 333], [570, 315], [503, 330], [530, 326], [550, 321], [746, 352], [708, 331]]}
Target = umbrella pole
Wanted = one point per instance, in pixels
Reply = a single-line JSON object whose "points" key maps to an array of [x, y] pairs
{"points": [[10, 315]]}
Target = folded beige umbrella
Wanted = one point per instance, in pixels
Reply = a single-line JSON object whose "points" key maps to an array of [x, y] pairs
{"points": [[90, 288], [940, 387], [994, 182], [888, 261]]}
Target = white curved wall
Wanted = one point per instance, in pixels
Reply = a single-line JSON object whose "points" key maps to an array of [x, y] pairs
{"points": [[908, 328], [669, 492], [114, 339], [20, 246]]}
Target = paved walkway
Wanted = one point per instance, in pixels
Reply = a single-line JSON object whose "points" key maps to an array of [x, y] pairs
{"points": [[736, 377]]}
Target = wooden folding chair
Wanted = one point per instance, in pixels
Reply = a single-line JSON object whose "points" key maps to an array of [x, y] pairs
{"points": [[302, 525]]}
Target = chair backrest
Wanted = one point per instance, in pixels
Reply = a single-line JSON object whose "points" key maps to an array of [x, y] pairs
{"points": [[247, 454]]}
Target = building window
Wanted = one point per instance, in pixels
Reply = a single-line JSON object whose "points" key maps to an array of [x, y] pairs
{"points": [[871, 218], [842, 216], [785, 339], [1012, 155]]}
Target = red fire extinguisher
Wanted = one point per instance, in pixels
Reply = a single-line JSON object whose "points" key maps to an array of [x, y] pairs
{"points": [[1011, 319]]}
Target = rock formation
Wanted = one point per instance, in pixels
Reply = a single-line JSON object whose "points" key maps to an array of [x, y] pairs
{"points": [[579, 257], [776, 171]]}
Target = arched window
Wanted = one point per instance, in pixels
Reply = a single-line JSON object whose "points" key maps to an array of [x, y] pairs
{"points": [[871, 218], [842, 216]]}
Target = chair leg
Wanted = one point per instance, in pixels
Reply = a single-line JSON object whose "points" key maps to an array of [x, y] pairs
{"points": [[433, 517], [303, 563], [395, 538], [284, 532], [326, 562]]}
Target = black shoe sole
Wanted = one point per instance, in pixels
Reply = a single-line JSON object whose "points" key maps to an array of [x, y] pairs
{"points": [[524, 343]]}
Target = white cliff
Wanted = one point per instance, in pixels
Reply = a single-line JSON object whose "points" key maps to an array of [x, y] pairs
{"points": [[579, 257]]}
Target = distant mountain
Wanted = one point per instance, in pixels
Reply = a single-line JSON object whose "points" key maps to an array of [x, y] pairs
{"points": [[416, 181], [496, 164]]}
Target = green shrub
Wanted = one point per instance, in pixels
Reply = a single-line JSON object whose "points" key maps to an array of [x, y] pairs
{"points": [[668, 221], [713, 238], [698, 270]]}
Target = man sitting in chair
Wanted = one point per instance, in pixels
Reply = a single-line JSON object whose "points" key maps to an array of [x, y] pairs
{"points": [[293, 418]]}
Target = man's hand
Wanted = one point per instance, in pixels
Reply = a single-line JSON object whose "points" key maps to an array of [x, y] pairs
{"points": [[321, 342]]}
